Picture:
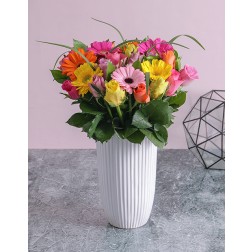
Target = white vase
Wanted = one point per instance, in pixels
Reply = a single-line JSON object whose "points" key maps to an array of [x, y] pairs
{"points": [[127, 177]]}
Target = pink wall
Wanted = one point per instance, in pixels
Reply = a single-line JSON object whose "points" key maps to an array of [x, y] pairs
{"points": [[62, 20]]}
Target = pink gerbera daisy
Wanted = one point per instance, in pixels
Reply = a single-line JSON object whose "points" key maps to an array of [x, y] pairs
{"points": [[158, 45], [145, 46], [162, 46], [128, 77], [101, 47]]}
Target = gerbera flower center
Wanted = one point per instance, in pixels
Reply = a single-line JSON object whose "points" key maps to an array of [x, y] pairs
{"points": [[86, 78], [129, 80]]}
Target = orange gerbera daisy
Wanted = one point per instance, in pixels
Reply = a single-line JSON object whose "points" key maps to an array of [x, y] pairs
{"points": [[73, 60]]}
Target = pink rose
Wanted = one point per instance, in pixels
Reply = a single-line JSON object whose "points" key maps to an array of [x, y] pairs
{"points": [[174, 83], [103, 64], [71, 90], [115, 57], [188, 73], [98, 82]]}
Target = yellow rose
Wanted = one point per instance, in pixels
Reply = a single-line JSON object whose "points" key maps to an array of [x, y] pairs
{"points": [[115, 96], [158, 87]]}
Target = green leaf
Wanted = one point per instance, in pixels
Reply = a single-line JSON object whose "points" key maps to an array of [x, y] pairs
{"points": [[176, 54], [66, 95], [88, 108], [151, 57], [168, 124], [181, 45], [94, 124], [129, 131], [87, 125], [158, 111], [124, 133], [178, 100], [103, 132], [110, 69], [124, 42], [161, 133], [58, 76], [75, 102], [147, 81], [78, 44], [79, 119], [58, 59], [152, 137], [87, 97], [189, 36], [137, 65], [120, 133], [178, 64], [110, 26], [56, 44], [140, 120], [137, 137]]}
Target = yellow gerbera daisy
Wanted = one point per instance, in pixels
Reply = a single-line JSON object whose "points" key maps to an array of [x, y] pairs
{"points": [[157, 69], [84, 75]]}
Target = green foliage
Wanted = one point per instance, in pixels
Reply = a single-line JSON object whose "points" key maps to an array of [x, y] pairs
{"points": [[137, 137], [140, 120], [180, 45], [151, 57], [188, 36], [178, 61], [147, 81], [66, 95], [153, 138], [110, 26], [126, 132], [176, 54], [94, 124], [124, 43], [58, 59], [103, 132], [137, 65], [90, 109], [88, 123], [161, 133], [178, 64], [110, 69], [79, 120], [177, 100], [58, 76], [158, 111], [78, 44]]}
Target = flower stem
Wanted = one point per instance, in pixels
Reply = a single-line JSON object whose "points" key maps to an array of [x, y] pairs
{"points": [[134, 105], [119, 112], [130, 106], [109, 110]]}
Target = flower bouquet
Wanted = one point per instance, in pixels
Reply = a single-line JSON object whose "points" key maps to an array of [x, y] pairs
{"points": [[130, 90]]}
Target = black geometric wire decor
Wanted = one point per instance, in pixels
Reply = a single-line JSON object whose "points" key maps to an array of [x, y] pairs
{"points": [[205, 129]]}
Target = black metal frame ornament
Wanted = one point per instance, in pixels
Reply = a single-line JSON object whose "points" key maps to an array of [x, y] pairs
{"points": [[205, 129]]}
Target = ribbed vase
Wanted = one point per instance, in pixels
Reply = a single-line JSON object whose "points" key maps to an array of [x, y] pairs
{"points": [[127, 177]]}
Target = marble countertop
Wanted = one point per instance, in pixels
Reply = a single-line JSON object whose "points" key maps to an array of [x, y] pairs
{"points": [[65, 213]]}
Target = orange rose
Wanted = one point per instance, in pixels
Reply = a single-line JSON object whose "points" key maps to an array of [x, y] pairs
{"points": [[140, 94], [169, 58]]}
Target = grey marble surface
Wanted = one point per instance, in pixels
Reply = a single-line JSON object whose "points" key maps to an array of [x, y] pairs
{"points": [[65, 213]]}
